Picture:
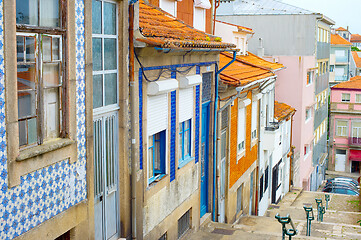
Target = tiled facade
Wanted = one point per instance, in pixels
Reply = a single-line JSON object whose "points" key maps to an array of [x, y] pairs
{"points": [[51, 190]]}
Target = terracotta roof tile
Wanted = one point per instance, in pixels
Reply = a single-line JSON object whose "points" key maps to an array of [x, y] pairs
{"points": [[353, 83], [356, 57], [240, 73], [341, 29], [239, 27], [283, 110], [338, 40], [355, 38], [163, 30], [260, 62]]}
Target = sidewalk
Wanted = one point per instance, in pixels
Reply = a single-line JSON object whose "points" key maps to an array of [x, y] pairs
{"points": [[340, 220]]}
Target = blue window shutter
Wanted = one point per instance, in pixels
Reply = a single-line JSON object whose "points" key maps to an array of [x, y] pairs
{"points": [[196, 148], [140, 83], [172, 135]]}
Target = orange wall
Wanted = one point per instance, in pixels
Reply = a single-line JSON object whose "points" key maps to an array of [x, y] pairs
{"points": [[237, 170], [154, 2], [209, 20], [185, 11]]}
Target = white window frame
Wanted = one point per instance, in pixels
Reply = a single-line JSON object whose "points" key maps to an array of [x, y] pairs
{"points": [[254, 120], [343, 129], [308, 115], [241, 131], [358, 98], [345, 97]]}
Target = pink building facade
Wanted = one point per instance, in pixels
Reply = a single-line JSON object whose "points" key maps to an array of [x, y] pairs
{"points": [[345, 127]]}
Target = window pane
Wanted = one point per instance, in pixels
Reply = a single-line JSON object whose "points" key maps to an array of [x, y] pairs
{"points": [[49, 13], [97, 17], [20, 48], [26, 91], [110, 88], [27, 12], [186, 143], [180, 143], [97, 91], [157, 155], [56, 48], [97, 54], [356, 124], [32, 136], [30, 49], [109, 18], [22, 133], [51, 76], [110, 54], [46, 53], [51, 102]]}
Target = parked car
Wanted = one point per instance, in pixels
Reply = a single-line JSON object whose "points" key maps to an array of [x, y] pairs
{"points": [[341, 190], [341, 184], [344, 180]]}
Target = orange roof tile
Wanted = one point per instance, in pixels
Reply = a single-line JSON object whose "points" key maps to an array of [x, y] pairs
{"points": [[355, 38], [338, 40], [283, 110], [163, 30], [341, 29], [239, 27], [353, 83], [240, 73], [260, 62], [356, 57]]}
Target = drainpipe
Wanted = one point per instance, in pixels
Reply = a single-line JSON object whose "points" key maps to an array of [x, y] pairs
{"points": [[133, 107], [215, 134]]}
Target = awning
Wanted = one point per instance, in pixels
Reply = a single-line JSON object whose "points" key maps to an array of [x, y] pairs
{"points": [[355, 155]]}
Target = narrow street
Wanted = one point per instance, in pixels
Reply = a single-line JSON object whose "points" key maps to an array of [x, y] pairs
{"points": [[339, 221]]}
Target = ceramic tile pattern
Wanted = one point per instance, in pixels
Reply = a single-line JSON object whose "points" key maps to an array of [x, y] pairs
{"points": [[338, 40], [49, 191], [283, 111], [353, 83]]}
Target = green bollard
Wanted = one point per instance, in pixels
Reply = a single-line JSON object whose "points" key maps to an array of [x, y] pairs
{"points": [[327, 199], [320, 209], [309, 217], [286, 220]]}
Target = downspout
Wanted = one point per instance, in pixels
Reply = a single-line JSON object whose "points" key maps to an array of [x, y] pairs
{"points": [[133, 107], [215, 134]]}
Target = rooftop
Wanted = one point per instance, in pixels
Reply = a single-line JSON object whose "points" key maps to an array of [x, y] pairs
{"points": [[161, 29], [355, 38], [341, 29], [353, 83], [240, 28], [244, 70], [338, 40], [282, 110], [357, 58], [254, 60]]}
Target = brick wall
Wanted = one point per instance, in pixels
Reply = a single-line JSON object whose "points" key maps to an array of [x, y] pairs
{"points": [[238, 169]]}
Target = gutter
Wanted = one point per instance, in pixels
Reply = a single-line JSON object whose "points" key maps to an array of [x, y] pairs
{"points": [[215, 134]]}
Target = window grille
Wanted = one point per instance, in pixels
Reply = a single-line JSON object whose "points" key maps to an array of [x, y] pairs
{"points": [[207, 87], [183, 224]]}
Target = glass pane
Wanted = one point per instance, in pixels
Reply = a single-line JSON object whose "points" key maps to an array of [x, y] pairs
{"points": [[180, 143], [97, 54], [186, 143], [109, 18], [150, 156], [22, 133], [32, 136], [27, 12], [157, 155], [356, 124], [49, 13], [56, 48], [51, 103], [97, 17], [97, 91], [51, 76], [110, 54], [26, 91], [46, 48], [30, 49], [20, 48], [223, 145], [186, 124], [110, 88]]}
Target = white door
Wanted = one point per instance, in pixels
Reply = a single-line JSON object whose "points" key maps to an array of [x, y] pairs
{"points": [[340, 163], [222, 192], [105, 176]]}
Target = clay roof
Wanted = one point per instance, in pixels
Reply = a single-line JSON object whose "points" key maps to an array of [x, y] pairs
{"points": [[353, 83], [240, 28], [240, 73], [338, 40], [163, 30], [356, 57], [260, 62], [341, 29], [283, 110], [355, 38]]}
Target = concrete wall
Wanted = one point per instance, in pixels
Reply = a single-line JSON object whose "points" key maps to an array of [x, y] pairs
{"points": [[289, 35]]}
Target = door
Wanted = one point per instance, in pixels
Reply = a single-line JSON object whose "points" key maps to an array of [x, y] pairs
{"points": [[251, 194], [222, 187], [204, 158], [274, 183], [340, 163], [105, 176]]}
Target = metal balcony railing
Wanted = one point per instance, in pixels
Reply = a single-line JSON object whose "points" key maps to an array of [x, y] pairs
{"points": [[354, 141], [272, 126]]}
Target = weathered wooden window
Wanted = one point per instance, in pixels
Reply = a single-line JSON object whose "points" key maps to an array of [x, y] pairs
{"points": [[40, 70]]}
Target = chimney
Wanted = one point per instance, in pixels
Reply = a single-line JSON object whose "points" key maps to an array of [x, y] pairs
{"points": [[260, 50]]}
